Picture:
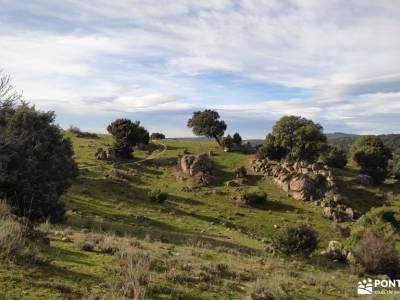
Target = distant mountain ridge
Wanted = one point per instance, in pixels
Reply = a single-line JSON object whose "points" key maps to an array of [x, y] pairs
{"points": [[344, 140], [340, 139]]}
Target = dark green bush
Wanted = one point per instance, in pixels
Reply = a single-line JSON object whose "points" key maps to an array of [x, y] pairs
{"points": [[271, 150], [157, 196], [296, 239], [254, 197], [372, 156], [383, 221], [157, 136], [36, 162], [334, 157], [127, 134]]}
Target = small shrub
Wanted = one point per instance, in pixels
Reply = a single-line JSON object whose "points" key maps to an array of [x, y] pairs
{"points": [[376, 255], [296, 239], [132, 274], [82, 242], [11, 239], [74, 129], [109, 244], [276, 288], [216, 269], [81, 134], [254, 197], [20, 241], [157, 196], [179, 276]]}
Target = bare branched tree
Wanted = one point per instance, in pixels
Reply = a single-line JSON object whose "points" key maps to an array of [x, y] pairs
{"points": [[8, 94]]}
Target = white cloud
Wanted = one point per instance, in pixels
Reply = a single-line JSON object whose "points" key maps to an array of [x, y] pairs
{"points": [[146, 55]]}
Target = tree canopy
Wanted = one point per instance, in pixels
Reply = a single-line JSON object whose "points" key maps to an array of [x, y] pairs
{"points": [[157, 136], [36, 162], [334, 157], [295, 138], [227, 142], [126, 135], [372, 156], [237, 139], [207, 123]]}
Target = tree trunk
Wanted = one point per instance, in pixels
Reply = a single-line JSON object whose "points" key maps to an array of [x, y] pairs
{"points": [[217, 139]]}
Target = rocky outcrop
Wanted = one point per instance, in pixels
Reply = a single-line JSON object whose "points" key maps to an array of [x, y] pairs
{"points": [[335, 251], [240, 172], [364, 179], [200, 167], [102, 154], [308, 182]]}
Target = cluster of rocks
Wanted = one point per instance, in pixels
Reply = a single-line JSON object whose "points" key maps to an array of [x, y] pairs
{"points": [[364, 179], [200, 167], [109, 154], [307, 182], [120, 175], [337, 252]]}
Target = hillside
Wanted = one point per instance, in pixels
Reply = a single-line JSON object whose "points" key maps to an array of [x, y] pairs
{"points": [[344, 140], [200, 244]]}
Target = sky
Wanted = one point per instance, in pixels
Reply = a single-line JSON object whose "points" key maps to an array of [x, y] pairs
{"points": [[158, 61]]}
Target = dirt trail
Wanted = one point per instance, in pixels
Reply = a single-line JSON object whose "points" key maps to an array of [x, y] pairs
{"points": [[155, 154]]}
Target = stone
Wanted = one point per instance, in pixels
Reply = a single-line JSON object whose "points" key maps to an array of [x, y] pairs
{"points": [[335, 251], [66, 239], [240, 172], [301, 187], [201, 167], [350, 213], [232, 183], [101, 154], [364, 179], [315, 167], [111, 154], [350, 258]]}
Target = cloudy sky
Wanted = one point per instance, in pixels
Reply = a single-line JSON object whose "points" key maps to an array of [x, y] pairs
{"points": [[337, 62]]}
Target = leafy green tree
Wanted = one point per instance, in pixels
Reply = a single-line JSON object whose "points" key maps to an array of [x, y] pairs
{"points": [[334, 157], [207, 123], [227, 142], [301, 138], [372, 156], [36, 162], [271, 150], [157, 136], [237, 139], [126, 135]]}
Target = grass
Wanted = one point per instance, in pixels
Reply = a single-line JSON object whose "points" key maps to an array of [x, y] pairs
{"points": [[197, 227]]}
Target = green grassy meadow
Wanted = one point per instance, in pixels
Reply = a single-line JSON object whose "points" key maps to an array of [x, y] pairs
{"points": [[199, 226]]}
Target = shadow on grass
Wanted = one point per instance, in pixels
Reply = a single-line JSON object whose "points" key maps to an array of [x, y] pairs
{"points": [[160, 231], [277, 206], [187, 201], [360, 197], [325, 264]]}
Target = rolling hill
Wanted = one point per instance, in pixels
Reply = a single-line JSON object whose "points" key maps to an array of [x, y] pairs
{"points": [[200, 244]]}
